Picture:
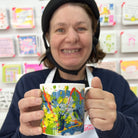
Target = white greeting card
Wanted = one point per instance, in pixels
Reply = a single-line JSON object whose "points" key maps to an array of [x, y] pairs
{"points": [[129, 13], [107, 14], [4, 23], [5, 98], [129, 41], [108, 41]]}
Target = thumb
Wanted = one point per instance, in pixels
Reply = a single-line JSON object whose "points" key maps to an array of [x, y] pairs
{"points": [[96, 83]]}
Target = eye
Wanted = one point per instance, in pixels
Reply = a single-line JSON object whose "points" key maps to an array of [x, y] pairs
{"points": [[81, 29], [60, 30]]}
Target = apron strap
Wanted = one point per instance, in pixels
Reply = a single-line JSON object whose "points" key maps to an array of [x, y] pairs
{"points": [[51, 75]]}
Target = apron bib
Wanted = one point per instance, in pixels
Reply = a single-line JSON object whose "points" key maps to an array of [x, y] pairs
{"points": [[89, 130]]}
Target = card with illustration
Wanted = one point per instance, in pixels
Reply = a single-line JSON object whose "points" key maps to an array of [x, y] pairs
{"points": [[23, 18], [134, 88], [5, 98], [129, 41], [4, 23], [129, 69], [108, 42], [107, 14], [7, 48], [28, 45], [30, 67], [10, 72], [129, 13]]}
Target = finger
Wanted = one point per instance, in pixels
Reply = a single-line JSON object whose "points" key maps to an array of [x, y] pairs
{"points": [[97, 113], [31, 116], [30, 131], [33, 93], [95, 93], [28, 102], [96, 83], [101, 124], [95, 104]]}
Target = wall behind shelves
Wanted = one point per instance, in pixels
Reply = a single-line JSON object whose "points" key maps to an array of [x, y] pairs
{"points": [[37, 4]]}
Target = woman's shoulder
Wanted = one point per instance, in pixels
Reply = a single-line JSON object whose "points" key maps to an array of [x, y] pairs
{"points": [[105, 73], [109, 78], [35, 76]]}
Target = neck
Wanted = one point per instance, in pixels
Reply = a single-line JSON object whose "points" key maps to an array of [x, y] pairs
{"points": [[79, 76]]}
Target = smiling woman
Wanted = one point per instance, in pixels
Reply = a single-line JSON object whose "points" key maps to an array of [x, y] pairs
{"points": [[72, 28], [78, 34]]}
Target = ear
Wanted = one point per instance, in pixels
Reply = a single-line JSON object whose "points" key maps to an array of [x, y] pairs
{"points": [[47, 37]]}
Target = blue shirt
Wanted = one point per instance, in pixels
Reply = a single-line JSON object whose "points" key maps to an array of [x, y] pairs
{"points": [[126, 125]]}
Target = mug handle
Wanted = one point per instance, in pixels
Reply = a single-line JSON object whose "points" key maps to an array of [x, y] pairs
{"points": [[86, 112]]}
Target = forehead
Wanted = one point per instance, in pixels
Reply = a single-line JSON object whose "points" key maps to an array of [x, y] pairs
{"points": [[70, 9]]}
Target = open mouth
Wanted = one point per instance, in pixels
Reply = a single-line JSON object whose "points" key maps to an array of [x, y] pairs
{"points": [[70, 51]]}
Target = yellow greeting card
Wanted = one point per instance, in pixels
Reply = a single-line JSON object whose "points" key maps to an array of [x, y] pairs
{"points": [[10, 72], [23, 17]]}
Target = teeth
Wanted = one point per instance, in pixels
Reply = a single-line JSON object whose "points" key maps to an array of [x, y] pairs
{"points": [[70, 51]]}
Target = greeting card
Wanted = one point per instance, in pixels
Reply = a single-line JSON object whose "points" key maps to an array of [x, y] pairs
{"points": [[23, 17], [30, 67], [134, 88], [129, 41], [28, 45], [108, 41], [5, 98], [107, 14], [129, 13], [111, 65], [129, 69], [7, 47], [10, 72], [4, 23]]}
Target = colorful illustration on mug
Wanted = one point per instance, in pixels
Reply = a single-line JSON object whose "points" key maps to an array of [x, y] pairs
{"points": [[64, 111]]}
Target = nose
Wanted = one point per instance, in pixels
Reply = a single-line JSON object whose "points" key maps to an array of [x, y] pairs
{"points": [[72, 36]]}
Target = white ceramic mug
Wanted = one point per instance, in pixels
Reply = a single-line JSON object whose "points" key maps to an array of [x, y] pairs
{"points": [[63, 105]]}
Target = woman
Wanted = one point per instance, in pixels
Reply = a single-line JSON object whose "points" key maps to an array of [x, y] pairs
{"points": [[71, 27]]}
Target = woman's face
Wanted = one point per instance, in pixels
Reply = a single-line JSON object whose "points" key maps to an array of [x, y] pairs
{"points": [[70, 36]]}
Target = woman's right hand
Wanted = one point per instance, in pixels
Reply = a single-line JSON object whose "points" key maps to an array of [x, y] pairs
{"points": [[31, 113]]}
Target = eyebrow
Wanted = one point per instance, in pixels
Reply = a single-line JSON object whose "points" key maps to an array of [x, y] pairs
{"points": [[64, 24]]}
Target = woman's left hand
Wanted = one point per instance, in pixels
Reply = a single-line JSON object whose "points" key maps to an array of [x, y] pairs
{"points": [[101, 106]]}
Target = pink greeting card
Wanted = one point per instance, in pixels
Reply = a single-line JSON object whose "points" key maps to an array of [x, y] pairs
{"points": [[111, 65], [7, 47], [30, 67]]}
